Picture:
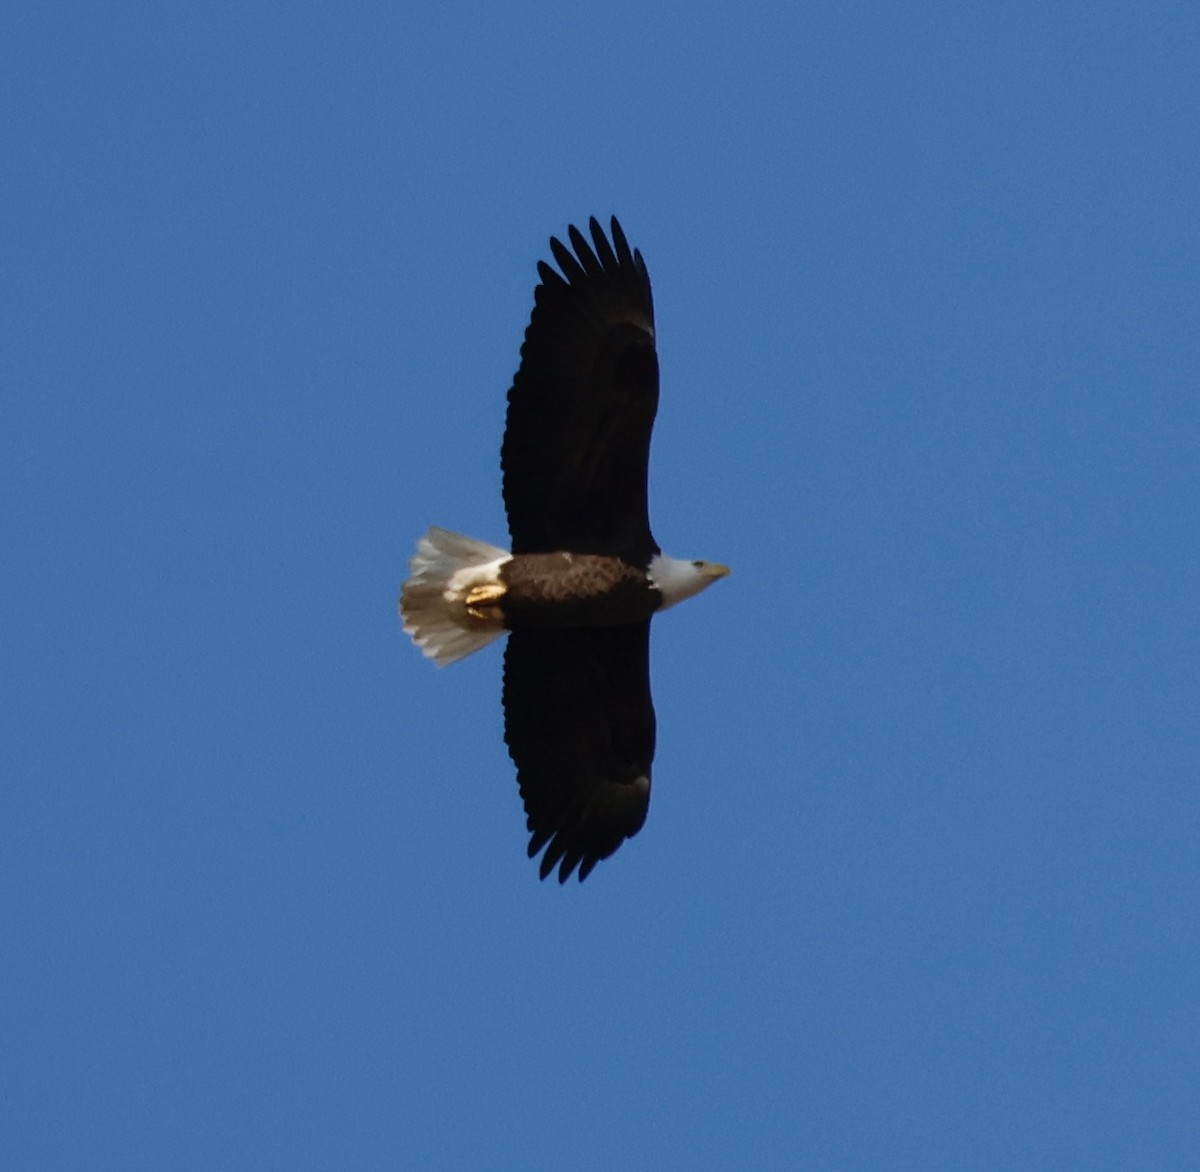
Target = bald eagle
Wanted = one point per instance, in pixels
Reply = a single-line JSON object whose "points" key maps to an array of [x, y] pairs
{"points": [[576, 593]]}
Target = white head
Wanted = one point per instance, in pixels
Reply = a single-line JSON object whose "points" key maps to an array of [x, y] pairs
{"points": [[679, 579]]}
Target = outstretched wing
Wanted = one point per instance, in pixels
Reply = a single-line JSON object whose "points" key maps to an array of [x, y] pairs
{"points": [[579, 724], [582, 405]]}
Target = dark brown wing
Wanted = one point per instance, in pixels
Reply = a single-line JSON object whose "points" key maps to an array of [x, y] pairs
{"points": [[579, 724], [582, 405]]}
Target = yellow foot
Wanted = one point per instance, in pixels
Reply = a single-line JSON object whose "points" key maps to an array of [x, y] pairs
{"points": [[486, 614], [481, 602], [485, 594]]}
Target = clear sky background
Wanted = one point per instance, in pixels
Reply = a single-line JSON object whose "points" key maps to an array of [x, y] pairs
{"points": [[920, 884]]}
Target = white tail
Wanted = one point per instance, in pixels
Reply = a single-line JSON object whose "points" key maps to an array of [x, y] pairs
{"points": [[444, 569]]}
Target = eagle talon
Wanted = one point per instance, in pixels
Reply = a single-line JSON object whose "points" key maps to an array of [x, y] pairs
{"points": [[479, 597], [486, 614]]}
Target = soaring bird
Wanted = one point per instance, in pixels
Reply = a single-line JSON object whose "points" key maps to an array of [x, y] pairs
{"points": [[584, 576]]}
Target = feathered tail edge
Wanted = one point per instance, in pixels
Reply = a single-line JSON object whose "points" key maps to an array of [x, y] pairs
{"points": [[444, 568]]}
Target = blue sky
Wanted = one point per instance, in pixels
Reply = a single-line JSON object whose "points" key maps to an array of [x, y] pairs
{"points": [[920, 884]]}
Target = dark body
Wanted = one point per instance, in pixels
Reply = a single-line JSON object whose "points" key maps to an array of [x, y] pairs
{"points": [[579, 720], [574, 590]]}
